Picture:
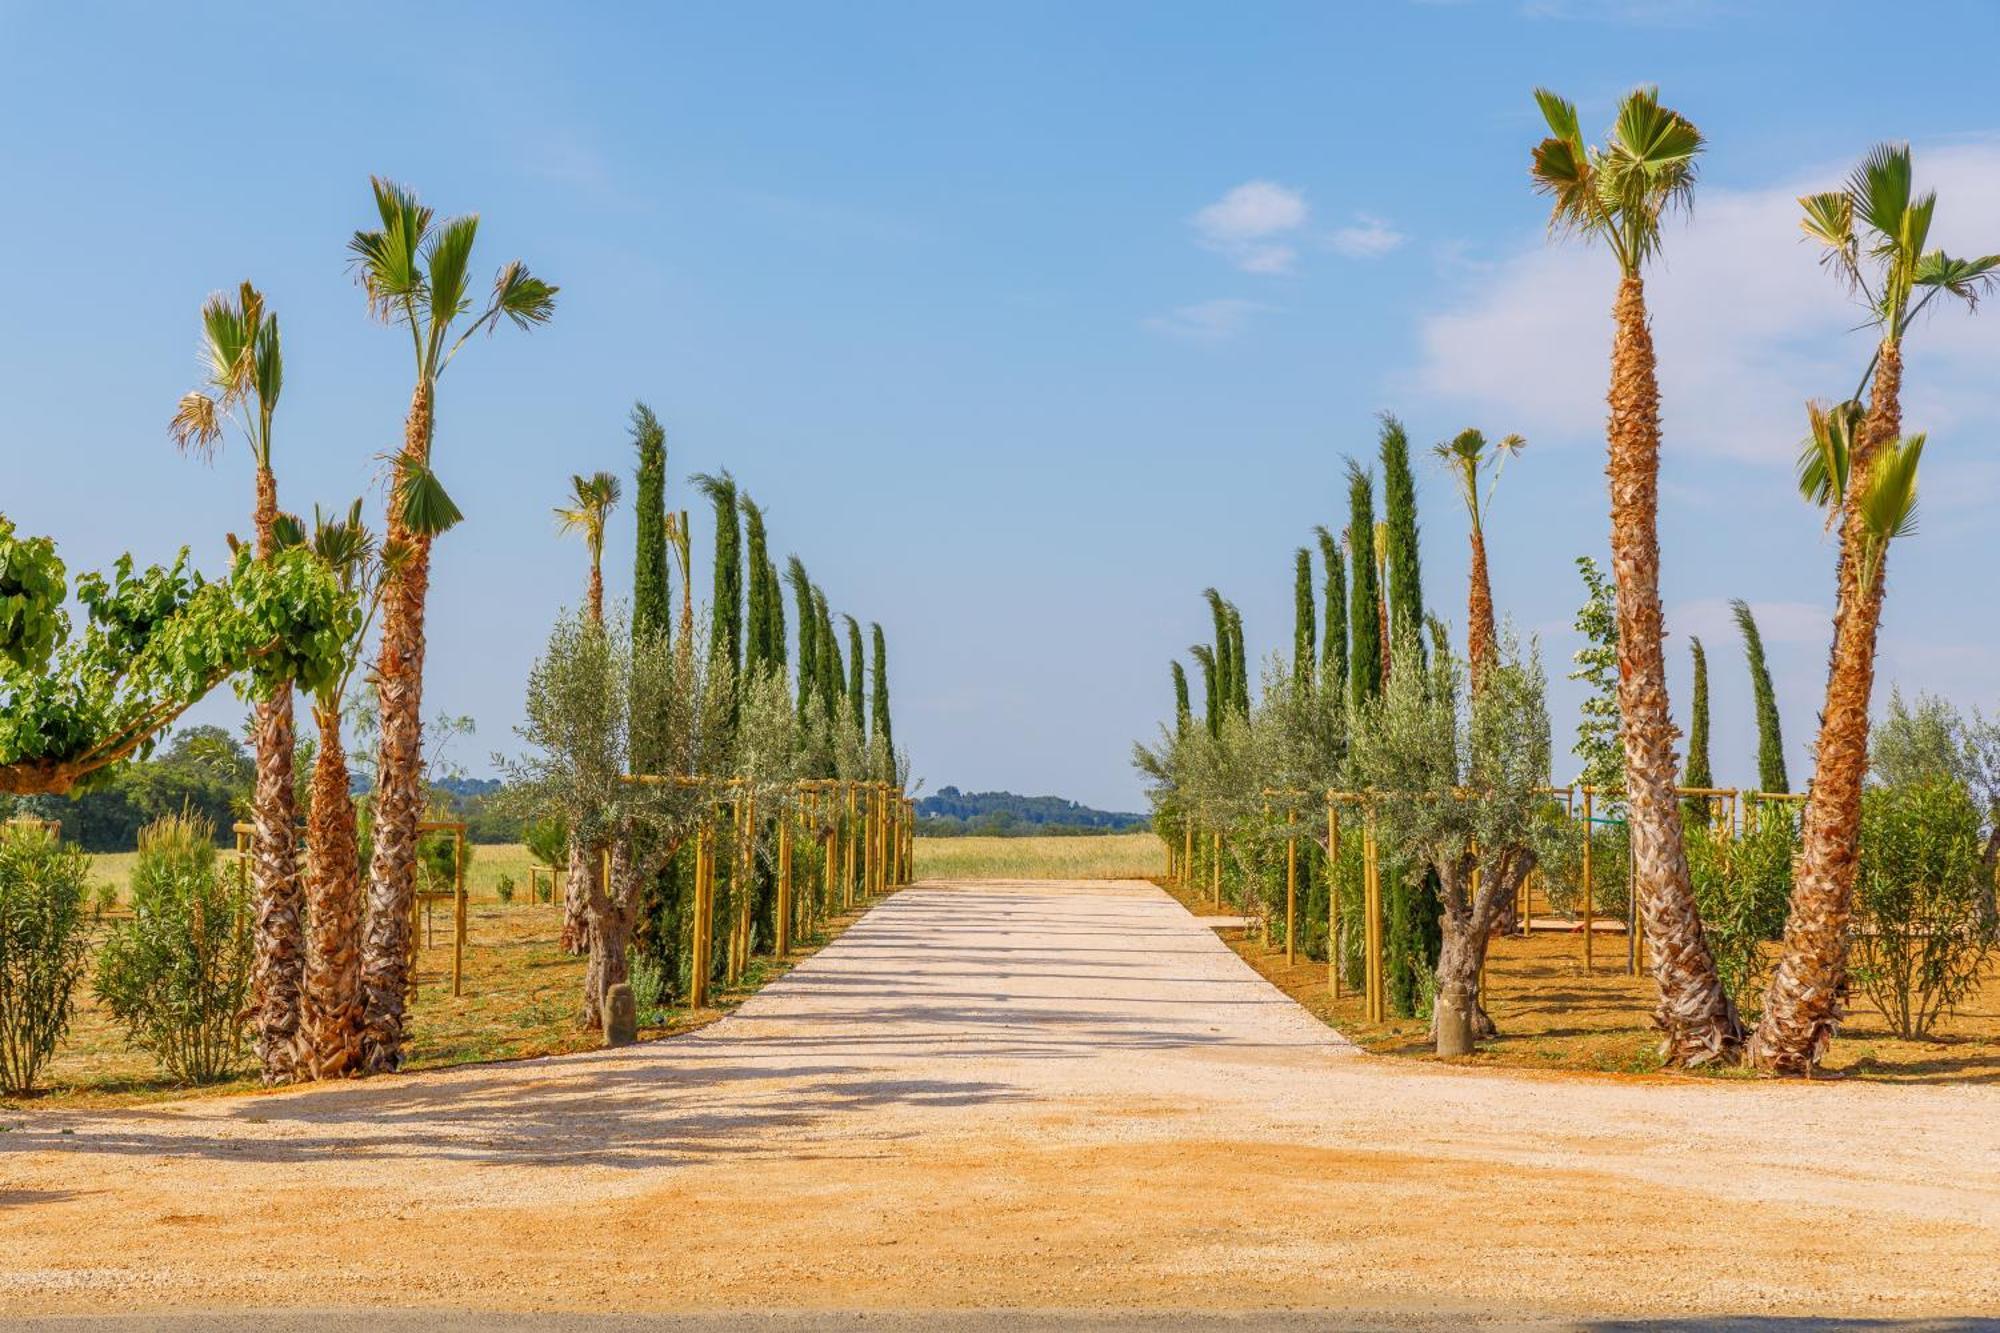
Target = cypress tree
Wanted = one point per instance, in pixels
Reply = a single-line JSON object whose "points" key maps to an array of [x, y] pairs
{"points": [[802, 595], [757, 619], [1698, 774], [880, 702], [1770, 736], [1239, 664], [774, 627], [830, 669], [1333, 649], [856, 670], [1364, 657], [1183, 712], [1405, 591], [1305, 634], [725, 633], [652, 595], [1211, 690], [1225, 669]]}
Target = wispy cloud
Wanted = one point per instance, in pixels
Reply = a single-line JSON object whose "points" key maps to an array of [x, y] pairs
{"points": [[1207, 321], [1252, 226], [1369, 237], [1747, 325]]}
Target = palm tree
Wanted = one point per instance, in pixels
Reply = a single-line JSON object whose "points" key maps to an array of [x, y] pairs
{"points": [[1465, 456], [1381, 547], [592, 499], [416, 272], [333, 1017], [1619, 194], [1859, 467], [243, 369]]}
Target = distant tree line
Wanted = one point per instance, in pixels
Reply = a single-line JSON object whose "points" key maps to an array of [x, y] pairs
{"points": [[953, 813]]}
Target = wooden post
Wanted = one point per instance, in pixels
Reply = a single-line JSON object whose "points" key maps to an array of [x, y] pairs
{"points": [[784, 910], [1215, 865], [1333, 896], [847, 878], [704, 883], [1292, 889], [458, 914], [1589, 885], [1371, 880]]}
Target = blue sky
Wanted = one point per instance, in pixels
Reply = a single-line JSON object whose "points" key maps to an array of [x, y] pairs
{"points": [[1025, 322]]}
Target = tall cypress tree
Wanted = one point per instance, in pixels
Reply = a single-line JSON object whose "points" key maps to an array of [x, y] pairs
{"points": [[1183, 711], [1364, 656], [1698, 774], [879, 703], [1305, 631], [757, 618], [1225, 669], [652, 595], [1211, 688], [1239, 664], [830, 669], [857, 664], [1770, 736], [1333, 644], [774, 611], [1399, 500], [725, 632], [802, 598]]}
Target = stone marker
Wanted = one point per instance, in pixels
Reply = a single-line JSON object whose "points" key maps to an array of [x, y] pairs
{"points": [[621, 1016]]}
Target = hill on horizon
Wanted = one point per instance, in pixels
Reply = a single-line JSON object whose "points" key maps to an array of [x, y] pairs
{"points": [[949, 812]]}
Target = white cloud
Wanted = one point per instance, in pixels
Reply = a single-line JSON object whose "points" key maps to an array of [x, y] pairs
{"points": [[1248, 226], [1207, 321], [1369, 238], [1746, 324]]}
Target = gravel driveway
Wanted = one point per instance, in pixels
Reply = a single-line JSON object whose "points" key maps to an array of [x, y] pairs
{"points": [[1014, 1096]]}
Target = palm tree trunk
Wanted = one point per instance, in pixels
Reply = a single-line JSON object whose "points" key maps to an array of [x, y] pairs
{"points": [[1804, 1002], [398, 798], [333, 1013], [1481, 636], [1695, 1013], [278, 973], [596, 595]]}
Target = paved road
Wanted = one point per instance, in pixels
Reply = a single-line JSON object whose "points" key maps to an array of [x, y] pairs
{"points": [[1012, 1097]]}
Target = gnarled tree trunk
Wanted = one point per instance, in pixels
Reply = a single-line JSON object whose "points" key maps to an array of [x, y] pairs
{"points": [[1804, 1002], [610, 908], [277, 897], [1695, 1013], [583, 867], [333, 1013], [398, 800], [1458, 1020]]}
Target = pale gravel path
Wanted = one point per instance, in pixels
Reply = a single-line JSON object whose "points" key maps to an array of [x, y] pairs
{"points": [[1016, 1096]]}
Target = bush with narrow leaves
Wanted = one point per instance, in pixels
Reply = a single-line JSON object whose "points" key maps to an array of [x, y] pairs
{"points": [[43, 887]]}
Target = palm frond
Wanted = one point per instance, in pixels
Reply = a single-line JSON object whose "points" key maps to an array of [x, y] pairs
{"points": [[387, 262], [1967, 279], [522, 297], [1880, 188], [197, 425], [447, 265], [421, 502], [1888, 501], [1823, 457]]}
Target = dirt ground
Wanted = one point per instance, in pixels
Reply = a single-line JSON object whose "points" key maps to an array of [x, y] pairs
{"points": [[1012, 1095]]}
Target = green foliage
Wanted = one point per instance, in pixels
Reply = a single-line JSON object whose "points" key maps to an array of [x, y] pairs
{"points": [[1770, 733], [1925, 904], [42, 949], [1333, 643], [1305, 630], [652, 580], [547, 840], [1620, 192], [1399, 504], [881, 727], [1183, 710], [647, 976], [759, 651], [1698, 772], [503, 888], [437, 858], [1599, 733], [1364, 658], [32, 588], [177, 975], [802, 597], [1741, 888], [857, 666], [725, 610]]}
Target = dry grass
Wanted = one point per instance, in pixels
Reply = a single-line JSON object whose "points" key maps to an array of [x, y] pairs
{"points": [[1554, 1015], [482, 876], [1096, 856], [520, 1001]]}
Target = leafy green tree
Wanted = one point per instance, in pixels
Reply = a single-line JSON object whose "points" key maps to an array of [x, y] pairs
{"points": [[33, 584], [1364, 658], [1211, 688], [1239, 663], [652, 580], [832, 672], [1698, 773], [725, 610], [1305, 631], [1333, 646], [1399, 498], [758, 651], [1598, 729], [1770, 732]]}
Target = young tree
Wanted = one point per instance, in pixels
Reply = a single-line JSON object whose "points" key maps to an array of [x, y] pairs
{"points": [[589, 509], [1599, 729], [1619, 194], [1211, 688], [652, 582], [1770, 734], [1183, 711], [758, 650], [1305, 631], [1333, 644], [416, 272], [1364, 658], [1404, 585], [243, 373], [1239, 663], [857, 668], [1698, 774], [802, 594], [1466, 456]]}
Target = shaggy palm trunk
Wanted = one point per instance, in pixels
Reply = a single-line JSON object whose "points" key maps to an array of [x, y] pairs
{"points": [[278, 975], [333, 1013], [1481, 634], [1803, 1005], [596, 593], [1695, 1013], [398, 798]]}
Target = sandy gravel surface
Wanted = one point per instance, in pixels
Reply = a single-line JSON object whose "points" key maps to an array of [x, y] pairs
{"points": [[1015, 1096]]}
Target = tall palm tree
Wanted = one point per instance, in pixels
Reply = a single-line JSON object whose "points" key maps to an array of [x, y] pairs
{"points": [[243, 369], [1619, 194], [1860, 468], [1465, 456], [333, 1016], [416, 271], [591, 501]]}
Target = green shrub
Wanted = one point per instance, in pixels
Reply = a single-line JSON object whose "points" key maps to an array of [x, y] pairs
{"points": [[504, 888], [42, 948], [648, 976], [1924, 909], [1561, 884], [1741, 888], [547, 840], [104, 896], [436, 862], [177, 975]]}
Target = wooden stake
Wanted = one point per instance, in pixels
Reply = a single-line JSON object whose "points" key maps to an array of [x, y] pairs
{"points": [[1333, 896], [1589, 887], [458, 914], [1292, 890]]}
